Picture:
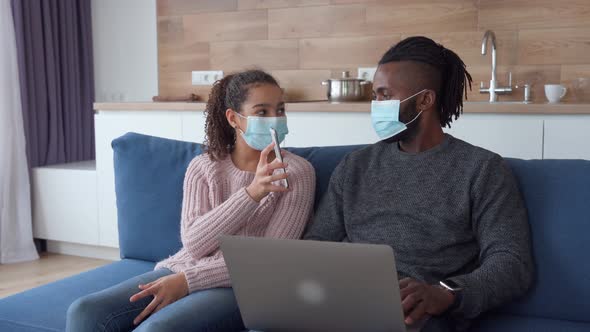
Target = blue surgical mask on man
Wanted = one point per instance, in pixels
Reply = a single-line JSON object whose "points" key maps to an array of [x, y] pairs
{"points": [[385, 117], [257, 134]]}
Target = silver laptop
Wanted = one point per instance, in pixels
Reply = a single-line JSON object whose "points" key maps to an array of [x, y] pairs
{"points": [[291, 285]]}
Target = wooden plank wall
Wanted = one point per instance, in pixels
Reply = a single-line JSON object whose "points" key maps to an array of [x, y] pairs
{"points": [[303, 42]]}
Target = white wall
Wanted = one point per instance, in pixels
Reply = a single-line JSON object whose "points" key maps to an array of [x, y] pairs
{"points": [[125, 50]]}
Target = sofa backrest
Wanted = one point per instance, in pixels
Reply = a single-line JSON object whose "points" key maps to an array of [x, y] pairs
{"points": [[149, 176], [557, 197], [149, 173], [324, 161]]}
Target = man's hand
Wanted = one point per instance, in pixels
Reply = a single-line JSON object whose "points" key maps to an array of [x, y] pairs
{"points": [[165, 290], [420, 299]]}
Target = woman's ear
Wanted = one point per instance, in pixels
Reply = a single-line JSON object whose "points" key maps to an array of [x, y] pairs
{"points": [[231, 117], [427, 101]]}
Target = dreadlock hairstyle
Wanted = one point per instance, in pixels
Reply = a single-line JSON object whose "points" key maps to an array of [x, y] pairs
{"points": [[229, 92], [449, 68]]}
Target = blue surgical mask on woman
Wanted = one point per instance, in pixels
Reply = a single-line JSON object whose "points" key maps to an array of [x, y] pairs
{"points": [[257, 134], [385, 117]]}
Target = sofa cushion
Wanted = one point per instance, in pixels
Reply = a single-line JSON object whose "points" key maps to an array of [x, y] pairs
{"points": [[149, 176], [44, 308], [557, 197], [515, 323]]}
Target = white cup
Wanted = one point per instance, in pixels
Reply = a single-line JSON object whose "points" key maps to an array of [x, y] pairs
{"points": [[554, 92]]}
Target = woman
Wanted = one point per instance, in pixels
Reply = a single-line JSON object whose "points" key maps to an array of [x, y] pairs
{"points": [[229, 190]]}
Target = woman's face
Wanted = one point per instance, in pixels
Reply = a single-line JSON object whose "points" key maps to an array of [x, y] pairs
{"points": [[265, 100]]}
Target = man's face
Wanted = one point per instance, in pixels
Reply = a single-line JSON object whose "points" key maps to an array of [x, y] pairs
{"points": [[390, 82]]}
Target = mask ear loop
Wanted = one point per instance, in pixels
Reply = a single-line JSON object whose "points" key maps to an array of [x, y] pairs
{"points": [[414, 119], [410, 97], [414, 95], [243, 117]]}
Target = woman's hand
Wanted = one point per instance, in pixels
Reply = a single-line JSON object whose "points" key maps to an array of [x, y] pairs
{"points": [[262, 184], [165, 290]]}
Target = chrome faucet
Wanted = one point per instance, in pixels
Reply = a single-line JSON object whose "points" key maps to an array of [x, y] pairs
{"points": [[493, 90]]}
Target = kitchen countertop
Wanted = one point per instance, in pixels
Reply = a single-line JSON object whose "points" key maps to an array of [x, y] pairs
{"points": [[324, 106]]}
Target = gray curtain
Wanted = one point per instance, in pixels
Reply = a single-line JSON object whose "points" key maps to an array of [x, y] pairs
{"points": [[54, 47]]}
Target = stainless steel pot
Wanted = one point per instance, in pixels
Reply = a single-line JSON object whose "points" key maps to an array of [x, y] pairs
{"points": [[347, 88]]}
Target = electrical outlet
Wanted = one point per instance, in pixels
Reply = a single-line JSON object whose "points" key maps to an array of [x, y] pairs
{"points": [[206, 77], [367, 73]]}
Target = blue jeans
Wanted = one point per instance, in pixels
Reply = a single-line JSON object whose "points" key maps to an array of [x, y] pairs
{"points": [[110, 310], [434, 324]]}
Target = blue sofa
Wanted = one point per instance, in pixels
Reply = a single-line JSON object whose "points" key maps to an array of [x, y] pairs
{"points": [[149, 174]]}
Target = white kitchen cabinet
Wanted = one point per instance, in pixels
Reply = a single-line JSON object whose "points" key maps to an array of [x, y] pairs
{"points": [[305, 129], [514, 136], [567, 137], [327, 129], [108, 126], [193, 126], [510, 135], [74, 205], [64, 202]]}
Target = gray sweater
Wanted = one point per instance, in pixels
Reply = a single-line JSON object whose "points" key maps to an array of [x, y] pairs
{"points": [[453, 211]]}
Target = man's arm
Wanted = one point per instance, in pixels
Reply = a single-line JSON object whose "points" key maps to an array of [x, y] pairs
{"points": [[328, 222], [499, 220]]}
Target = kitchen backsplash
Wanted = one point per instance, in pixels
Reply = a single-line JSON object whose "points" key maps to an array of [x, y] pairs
{"points": [[303, 42]]}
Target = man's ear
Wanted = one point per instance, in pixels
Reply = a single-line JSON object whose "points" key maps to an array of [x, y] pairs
{"points": [[426, 101]]}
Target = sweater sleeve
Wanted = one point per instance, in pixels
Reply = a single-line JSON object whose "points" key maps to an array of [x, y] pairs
{"points": [[328, 222], [205, 216], [500, 223], [295, 208], [208, 273]]}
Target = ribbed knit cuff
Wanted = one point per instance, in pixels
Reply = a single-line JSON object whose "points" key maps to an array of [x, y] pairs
{"points": [[208, 275], [192, 279], [247, 200]]}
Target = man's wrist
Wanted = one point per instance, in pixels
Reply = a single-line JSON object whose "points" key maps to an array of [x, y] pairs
{"points": [[457, 298], [450, 297], [454, 288]]}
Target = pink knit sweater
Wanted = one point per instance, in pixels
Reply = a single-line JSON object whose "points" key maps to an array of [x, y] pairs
{"points": [[216, 203]]}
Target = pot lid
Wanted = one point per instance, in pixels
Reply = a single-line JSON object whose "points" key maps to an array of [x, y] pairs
{"points": [[346, 77]]}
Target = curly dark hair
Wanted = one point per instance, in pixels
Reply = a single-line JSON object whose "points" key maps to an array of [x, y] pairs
{"points": [[229, 92], [449, 72]]}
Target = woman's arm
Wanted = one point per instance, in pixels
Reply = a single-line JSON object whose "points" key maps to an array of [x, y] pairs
{"points": [[204, 215], [287, 221]]}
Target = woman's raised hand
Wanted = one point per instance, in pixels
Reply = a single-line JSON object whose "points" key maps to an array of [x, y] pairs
{"points": [[262, 184]]}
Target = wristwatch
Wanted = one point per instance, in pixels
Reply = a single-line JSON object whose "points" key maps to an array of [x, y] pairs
{"points": [[455, 289], [450, 285]]}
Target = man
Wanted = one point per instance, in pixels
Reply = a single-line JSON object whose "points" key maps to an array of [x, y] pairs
{"points": [[451, 211]]}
